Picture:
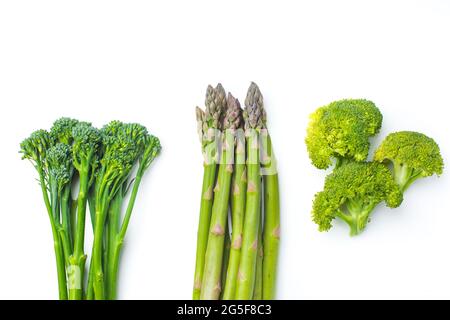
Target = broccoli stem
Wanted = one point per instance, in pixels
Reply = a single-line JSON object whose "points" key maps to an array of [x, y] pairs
{"points": [[211, 283], [60, 265], [206, 204], [247, 267], [271, 235], [358, 215], [239, 183], [404, 176]]}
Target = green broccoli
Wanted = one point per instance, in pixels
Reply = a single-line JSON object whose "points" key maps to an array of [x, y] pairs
{"points": [[341, 130], [351, 192], [413, 155]]}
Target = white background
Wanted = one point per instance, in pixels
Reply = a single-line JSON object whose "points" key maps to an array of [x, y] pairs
{"points": [[151, 63]]}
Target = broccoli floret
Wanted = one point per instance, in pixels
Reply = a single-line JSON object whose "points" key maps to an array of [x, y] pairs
{"points": [[351, 193], [61, 131], [341, 130], [413, 155]]}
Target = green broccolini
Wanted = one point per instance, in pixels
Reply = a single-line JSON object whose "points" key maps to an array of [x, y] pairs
{"points": [[101, 163]]}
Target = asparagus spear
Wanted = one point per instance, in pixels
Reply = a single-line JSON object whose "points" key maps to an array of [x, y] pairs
{"points": [[271, 219], [211, 285], [255, 118], [258, 292], [239, 184], [226, 258], [208, 126]]}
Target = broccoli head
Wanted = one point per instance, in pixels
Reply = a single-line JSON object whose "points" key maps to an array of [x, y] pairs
{"points": [[351, 192], [413, 155], [341, 130]]}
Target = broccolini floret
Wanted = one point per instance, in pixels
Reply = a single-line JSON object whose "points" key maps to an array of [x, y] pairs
{"points": [[341, 130], [413, 155], [61, 131], [351, 193], [59, 165], [34, 148]]}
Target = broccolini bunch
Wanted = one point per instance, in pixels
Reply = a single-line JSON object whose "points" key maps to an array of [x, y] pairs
{"points": [[340, 133], [99, 164]]}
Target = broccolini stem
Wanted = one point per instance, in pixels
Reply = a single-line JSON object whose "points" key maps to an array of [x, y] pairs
{"points": [[60, 265], [112, 231], [98, 275], [119, 237], [90, 283], [66, 203], [271, 235], [211, 283], [130, 206], [78, 258]]}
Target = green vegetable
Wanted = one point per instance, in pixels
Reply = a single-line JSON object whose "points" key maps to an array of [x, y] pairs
{"points": [[341, 130], [351, 193], [258, 291], [35, 149], [86, 144], [255, 119], [209, 124], [241, 266], [100, 162], [413, 156], [271, 220], [239, 185], [211, 284]]}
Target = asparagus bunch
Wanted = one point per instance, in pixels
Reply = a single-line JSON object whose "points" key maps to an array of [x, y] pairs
{"points": [[100, 163], [240, 164]]}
